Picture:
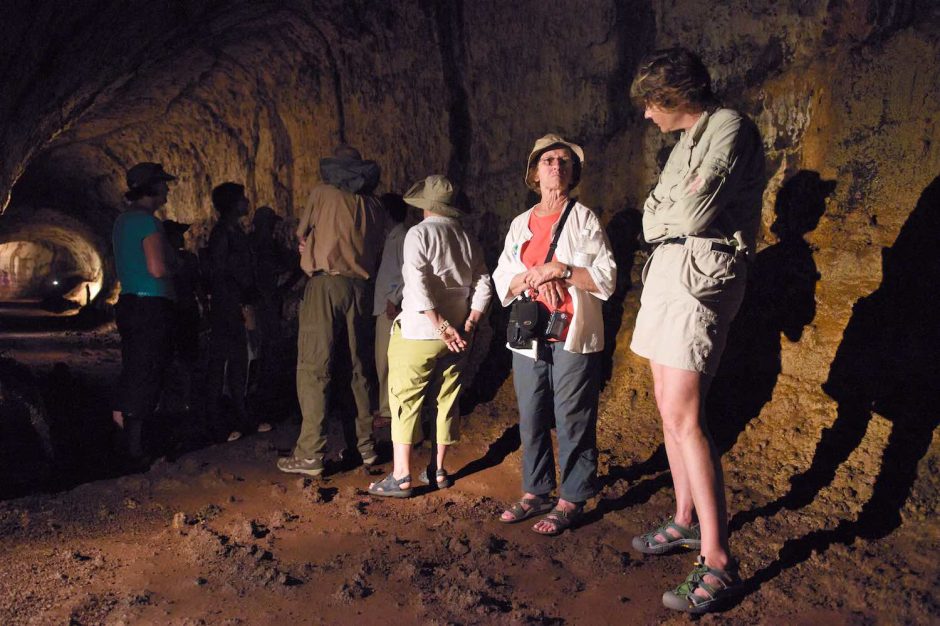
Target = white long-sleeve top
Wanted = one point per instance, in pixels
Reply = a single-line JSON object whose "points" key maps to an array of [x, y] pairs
{"points": [[388, 282], [443, 270], [581, 231]]}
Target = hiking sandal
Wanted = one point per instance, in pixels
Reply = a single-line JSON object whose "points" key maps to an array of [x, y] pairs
{"points": [[688, 537], [441, 478], [536, 506], [391, 487], [560, 520], [684, 598]]}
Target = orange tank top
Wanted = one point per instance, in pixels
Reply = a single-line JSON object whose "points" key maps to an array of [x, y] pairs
{"points": [[534, 252]]}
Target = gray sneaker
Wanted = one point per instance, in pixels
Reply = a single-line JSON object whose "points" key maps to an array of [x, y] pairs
{"points": [[294, 465]]}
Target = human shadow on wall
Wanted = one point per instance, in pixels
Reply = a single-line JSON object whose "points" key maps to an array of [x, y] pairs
{"points": [[780, 297], [491, 361], [623, 232], [886, 364]]}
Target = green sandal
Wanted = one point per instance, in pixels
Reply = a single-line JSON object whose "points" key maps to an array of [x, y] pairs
{"points": [[684, 598], [690, 538]]}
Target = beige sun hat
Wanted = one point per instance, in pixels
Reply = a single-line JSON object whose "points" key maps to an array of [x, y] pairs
{"points": [[550, 142], [435, 194]]}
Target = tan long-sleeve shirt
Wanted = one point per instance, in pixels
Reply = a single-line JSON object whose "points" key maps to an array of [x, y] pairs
{"points": [[343, 233], [712, 185]]}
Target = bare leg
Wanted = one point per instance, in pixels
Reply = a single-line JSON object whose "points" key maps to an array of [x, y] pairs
{"points": [[700, 472], [402, 463], [441, 455], [680, 477]]}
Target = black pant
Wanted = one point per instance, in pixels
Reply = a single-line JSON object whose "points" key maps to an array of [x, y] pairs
{"points": [[145, 324], [228, 362]]}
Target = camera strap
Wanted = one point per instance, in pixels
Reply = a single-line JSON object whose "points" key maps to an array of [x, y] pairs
{"points": [[551, 248], [561, 225]]}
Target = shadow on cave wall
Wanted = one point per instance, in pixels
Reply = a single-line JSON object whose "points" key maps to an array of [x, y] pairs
{"points": [[623, 232], [886, 364], [780, 297]]}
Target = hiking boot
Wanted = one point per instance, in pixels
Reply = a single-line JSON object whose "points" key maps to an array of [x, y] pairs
{"points": [[294, 465]]}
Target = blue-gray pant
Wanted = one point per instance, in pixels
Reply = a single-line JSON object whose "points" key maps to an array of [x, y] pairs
{"points": [[564, 385]]}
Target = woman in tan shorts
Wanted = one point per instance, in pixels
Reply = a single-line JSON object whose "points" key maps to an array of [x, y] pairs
{"points": [[704, 213]]}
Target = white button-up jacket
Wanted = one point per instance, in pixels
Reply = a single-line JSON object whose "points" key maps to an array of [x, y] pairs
{"points": [[582, 243]]}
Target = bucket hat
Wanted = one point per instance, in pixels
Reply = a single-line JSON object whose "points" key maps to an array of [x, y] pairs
{"points": [[435, 194], [550, 142]]}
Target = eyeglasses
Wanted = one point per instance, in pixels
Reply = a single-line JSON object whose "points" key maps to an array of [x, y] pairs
{"points": [[551, 161]]}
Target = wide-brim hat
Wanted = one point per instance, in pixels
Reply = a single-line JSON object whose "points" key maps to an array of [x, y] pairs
{"points": [[550, 142], [147, 173], [435, 194]]}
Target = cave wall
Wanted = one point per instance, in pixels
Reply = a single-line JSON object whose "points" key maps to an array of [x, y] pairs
{"points": [[827, 389], [845, 94]]}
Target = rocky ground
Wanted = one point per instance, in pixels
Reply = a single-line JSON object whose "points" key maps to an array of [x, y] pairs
{"points": [[218, 535]]}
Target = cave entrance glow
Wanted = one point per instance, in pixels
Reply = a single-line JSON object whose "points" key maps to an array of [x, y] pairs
{"points": [[62, 277]]}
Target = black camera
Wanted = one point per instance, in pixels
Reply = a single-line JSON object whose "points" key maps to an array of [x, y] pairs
{"points": [[557, 323]]}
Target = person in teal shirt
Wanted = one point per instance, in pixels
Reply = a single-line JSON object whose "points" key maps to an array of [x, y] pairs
{"points": [[145, 308]]}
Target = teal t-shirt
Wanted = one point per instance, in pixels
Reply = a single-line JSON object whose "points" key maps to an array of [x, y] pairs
{"points": [[130, 230]]}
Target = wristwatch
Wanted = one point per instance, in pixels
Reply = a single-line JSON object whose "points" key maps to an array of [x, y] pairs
{"points": [[567, 273]]}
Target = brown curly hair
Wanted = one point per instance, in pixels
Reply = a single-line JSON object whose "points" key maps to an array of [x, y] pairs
{"points": [[672, 78]]}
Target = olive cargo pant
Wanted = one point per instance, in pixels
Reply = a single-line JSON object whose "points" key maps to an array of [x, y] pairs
{"points": [[333, 308]]}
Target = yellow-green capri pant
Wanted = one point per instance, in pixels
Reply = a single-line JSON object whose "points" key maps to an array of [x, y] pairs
{"points": [[418, 367]]}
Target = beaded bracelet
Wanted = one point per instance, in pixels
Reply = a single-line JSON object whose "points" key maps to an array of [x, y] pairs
{"points": [[444, 326]]}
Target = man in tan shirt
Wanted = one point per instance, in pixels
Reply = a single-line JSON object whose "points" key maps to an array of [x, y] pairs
{"points": [[341, 230]]}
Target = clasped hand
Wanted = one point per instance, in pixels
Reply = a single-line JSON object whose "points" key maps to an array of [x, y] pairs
{"points": [[544, 280]]}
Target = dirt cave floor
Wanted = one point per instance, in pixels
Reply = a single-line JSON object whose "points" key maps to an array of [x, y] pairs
{"points": [[220, 536]]}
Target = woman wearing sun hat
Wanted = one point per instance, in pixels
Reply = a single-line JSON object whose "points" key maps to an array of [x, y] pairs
{"points": [[556, 375], [447, 288]]}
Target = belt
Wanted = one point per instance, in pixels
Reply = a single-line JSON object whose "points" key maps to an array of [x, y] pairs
{"points": [[325, 273], [716, 247]]}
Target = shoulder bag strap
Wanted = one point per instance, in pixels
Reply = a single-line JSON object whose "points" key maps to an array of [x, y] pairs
{"points": [[554, 244], [561, 225]]}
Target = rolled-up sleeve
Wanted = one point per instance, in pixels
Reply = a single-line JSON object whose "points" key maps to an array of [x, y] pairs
{"points": [[706, 190], [604, 268], [482, 288], [415, 270], [506, 269], [688, 206]]}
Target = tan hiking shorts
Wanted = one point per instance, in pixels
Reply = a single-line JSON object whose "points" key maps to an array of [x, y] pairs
{"points": [[691, 292]]}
